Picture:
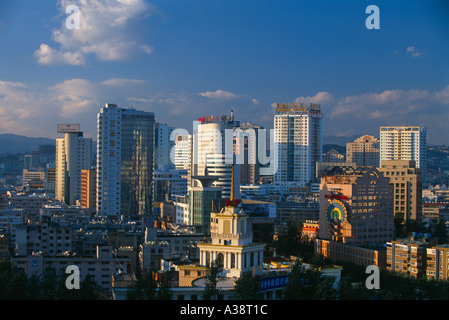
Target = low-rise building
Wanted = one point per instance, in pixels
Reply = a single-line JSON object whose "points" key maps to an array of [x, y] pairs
{"points": [[408, 256], [351, 252], [100, 268]]}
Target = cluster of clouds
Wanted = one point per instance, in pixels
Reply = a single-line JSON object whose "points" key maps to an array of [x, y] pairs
{"points": [[363, 114], [36, 112], [106, 31]]}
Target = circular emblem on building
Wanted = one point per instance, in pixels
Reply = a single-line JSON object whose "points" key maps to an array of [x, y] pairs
{"points": [[336, 210]]}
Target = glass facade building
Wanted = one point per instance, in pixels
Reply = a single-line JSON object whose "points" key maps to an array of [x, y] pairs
{"points": [[125, 152]]}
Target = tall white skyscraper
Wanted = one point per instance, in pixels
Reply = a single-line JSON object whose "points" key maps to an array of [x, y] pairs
{"points": [[73, 154], [125, 144], [213, 152], [404, 143], [298, 139], [182, 155]]}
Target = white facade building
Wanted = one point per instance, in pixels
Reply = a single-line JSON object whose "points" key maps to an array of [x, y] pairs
{"points": [[404, 143], [213, 148], [298, 139], [181, 155]]}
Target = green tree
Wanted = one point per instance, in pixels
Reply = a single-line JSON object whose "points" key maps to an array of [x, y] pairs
{"points": [[144, 288], [33, 291], [441, 232], [5, 276], [89, 289], [16, 286], [164, 292], [302, 282], [348, 289], [247, 287], [325, 289], [49, 283], [212, 277]]}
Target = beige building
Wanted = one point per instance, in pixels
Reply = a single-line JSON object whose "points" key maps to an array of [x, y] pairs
{"points": [[364, 151], [73, 153], [350, 252], [231, 243], [407, 257], [407, 181], [404, 143], [437, 262], [28, 176], [88, 188], [356, 206]]}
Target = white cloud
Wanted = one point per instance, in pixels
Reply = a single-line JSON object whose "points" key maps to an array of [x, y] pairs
{"points": [[75, 96], [414, 52], [320, 98], [36, 112], [218, 94], [366, 112], [105, 32], [122, 82]]}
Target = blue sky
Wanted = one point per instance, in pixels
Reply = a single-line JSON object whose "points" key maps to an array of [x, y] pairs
{"points": [[184, 59]]}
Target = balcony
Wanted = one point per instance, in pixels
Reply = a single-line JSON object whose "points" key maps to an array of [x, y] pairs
{"points": [[232, 235]]}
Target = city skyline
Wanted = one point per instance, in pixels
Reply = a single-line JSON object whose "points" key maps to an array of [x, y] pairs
{"points": [[187, 60]]}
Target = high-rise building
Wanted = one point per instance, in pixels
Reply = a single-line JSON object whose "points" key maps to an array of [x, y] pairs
{"points": [[404, 143], [182, 156], [356, 205], [163, 145], [407, 181], [232, 245], [364, 151], [246, 146], [200, 202], [73, 153], [125, 148], [298, 139], [88, 188], [213, 151], [168, 183]]}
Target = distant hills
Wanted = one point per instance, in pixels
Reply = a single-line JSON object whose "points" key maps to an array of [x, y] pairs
{"points": [[340, 141], [12, 143]]}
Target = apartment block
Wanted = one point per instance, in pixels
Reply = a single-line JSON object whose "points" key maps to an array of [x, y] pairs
{"points": [[404, 143], [408, 257], [407, 181], [364, 151], [100, 267], [298, 139], [438, 262]]}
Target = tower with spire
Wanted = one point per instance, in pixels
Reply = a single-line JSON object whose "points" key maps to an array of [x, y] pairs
{"points": [[231, 246]]}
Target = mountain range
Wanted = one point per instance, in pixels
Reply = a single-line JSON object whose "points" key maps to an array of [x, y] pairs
{"points": [[13, 144]]}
